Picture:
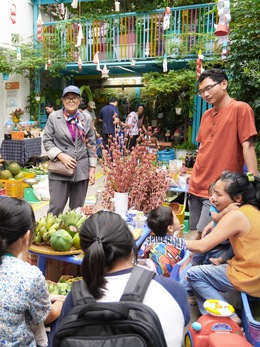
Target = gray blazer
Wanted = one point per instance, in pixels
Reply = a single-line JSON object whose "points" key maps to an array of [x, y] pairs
{"points": [[57, 139]]}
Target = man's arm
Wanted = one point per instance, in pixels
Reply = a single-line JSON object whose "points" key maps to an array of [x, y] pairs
{"points": [[250, 156]]}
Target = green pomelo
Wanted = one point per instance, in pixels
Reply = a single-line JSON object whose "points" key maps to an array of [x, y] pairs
{"points": [[19, 176], [61, 240], [6, 174], [14, 168], [76, 241]]}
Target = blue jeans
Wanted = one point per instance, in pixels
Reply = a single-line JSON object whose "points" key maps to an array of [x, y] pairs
{"points": [[199, 259], [207, 281]]}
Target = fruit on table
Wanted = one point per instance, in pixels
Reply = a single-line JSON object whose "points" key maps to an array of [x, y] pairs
{"points": [[61, 240], [6, 174], [72, 220], [14, 168], [19, 176], [76, 241], [63, 286], [47, 225]]}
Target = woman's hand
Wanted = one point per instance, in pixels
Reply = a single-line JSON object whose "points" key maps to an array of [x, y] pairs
{"points": [[67, 160]]}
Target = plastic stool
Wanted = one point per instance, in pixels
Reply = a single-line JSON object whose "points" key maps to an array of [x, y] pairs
{"points": [[230, 340]]}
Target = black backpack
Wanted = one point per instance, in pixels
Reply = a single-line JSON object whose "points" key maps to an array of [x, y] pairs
{"points": [[127, 323]]}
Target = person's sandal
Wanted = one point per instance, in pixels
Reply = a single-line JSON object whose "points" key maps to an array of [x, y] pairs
{"points": [[192, 300]]}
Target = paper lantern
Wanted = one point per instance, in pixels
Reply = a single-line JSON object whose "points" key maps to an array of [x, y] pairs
{"points": [[39, 28], [13, 13], [167, 10], [221, 30]]}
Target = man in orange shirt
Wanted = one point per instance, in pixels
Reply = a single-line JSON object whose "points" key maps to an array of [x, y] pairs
{"points": [[226, 142]]}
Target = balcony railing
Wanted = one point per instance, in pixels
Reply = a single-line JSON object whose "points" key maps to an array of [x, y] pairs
{"points": [[134, 36]]}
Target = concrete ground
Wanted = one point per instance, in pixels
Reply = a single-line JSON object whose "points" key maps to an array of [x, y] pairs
{"points": [[41, 209]]}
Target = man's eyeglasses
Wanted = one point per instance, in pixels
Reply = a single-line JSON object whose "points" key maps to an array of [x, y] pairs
{"points": [[75, 99], [202, 91]]}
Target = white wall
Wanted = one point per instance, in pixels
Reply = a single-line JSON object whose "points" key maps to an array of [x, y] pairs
{"points": [[23, 27]]}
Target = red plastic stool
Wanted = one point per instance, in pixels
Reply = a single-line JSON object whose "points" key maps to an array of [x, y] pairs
{"points": [[230, 340]]}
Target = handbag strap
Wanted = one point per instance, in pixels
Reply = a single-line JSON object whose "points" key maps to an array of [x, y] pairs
{"points": [[76, 143]]}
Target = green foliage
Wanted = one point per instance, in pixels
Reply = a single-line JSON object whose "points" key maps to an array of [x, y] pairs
{"points": [[35, 56], [165, 92], [5, 66], [33, 106], [95, 9], [243, 61], [186, 145]]}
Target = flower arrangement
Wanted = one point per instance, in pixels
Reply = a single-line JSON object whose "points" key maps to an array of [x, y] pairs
{"points": [[16, 115], [135, 172]]}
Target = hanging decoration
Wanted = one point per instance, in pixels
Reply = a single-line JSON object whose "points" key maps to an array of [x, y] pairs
{"points": [[66, 15], [166, 18], [18, 54], [62, 9], [96, 60], [74, 4], [147, 49], [221, 29], [224, 52], [79, 63], [13, 13], [199, 68], [80, 36], [165, 64], [117, 6], [104, 72], [39, 27]]}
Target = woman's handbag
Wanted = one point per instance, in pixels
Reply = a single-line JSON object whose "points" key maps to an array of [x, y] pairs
{"points": [[59, 168]]}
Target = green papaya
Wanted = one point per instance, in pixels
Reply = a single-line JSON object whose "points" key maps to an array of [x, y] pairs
{"points": [[61, 241]]}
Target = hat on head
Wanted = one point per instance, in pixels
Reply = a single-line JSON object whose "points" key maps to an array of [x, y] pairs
{"points": [[92, 104], [71, 89]]}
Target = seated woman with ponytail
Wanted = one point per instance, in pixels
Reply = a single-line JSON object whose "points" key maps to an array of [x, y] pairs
{"points": [[25, 304], [109, 257]]}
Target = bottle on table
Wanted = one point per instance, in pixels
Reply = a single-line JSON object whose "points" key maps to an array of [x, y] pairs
{"points": [[99, 202]]}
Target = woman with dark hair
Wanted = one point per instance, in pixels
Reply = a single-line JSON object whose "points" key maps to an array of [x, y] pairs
{"points": [[241, 226], [134, 124], [24, 298], [109, 257]]}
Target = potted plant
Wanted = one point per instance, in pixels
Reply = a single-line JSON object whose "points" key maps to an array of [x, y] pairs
{"points": [[183, 148], [5, 67]]}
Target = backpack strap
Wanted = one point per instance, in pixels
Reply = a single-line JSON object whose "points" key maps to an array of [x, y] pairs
{"points": [[137, 284], [81, 294]]}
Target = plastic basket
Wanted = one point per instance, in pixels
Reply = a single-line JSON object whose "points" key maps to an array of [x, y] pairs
{"points": [[250, 324], [14, 188], [17, 135], [181, 213]]}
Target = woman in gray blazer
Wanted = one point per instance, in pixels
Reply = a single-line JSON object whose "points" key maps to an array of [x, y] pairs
{"points": [[62, 129]]}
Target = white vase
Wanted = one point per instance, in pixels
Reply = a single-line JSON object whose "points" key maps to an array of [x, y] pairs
{"points": [[121, 202]]}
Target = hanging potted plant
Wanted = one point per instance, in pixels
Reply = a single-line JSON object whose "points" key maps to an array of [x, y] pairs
{"points": [[5, 67]]}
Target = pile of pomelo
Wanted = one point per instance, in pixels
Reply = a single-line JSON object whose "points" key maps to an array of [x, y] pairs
{"points": [[13, 172]]}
